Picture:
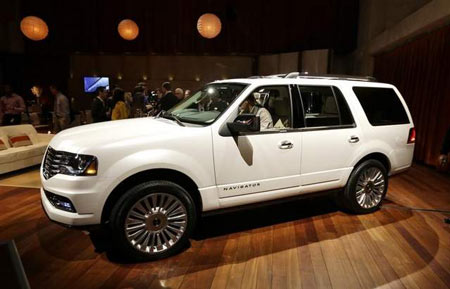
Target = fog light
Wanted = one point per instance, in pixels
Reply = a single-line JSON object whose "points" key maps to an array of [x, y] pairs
{"points": [[60, 202]]}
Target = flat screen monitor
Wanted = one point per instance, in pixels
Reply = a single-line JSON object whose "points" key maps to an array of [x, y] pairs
{"points": [[92, 83]]}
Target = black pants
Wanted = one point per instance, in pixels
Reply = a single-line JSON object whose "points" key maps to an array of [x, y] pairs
{"points": [[11, 119]]}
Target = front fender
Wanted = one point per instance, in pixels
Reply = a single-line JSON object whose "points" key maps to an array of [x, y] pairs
{"points": [[159, 159]]}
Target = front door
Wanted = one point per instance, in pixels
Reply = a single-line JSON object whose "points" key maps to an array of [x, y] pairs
{"points": [[264, 161]]}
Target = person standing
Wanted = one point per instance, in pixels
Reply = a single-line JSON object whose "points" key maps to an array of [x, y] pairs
{"points": [[168, 100], [61, 109], [120, 110], [179, 94], [138, 105], [12, 106], [98, 108], [445, 149], [128, 96], [187, 93]]}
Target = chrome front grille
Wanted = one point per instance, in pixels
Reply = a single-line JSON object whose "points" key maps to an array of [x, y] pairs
{"points": [[51, 163]]}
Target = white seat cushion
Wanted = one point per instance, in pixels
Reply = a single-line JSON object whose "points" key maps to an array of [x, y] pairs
{"points": [[21, 153], [7, 156]]}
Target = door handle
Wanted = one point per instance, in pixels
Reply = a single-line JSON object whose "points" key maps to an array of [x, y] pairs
{"points": [[353, 139], [284, 145]]}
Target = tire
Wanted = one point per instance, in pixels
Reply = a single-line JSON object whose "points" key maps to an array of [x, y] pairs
{"points": [[152, 220], [366, 188]]}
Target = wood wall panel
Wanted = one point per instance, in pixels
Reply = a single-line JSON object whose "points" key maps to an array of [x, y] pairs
{"points": [[188, 72]]}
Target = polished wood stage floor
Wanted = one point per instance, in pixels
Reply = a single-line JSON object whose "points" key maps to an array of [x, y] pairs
{"points": [[300, 244]]}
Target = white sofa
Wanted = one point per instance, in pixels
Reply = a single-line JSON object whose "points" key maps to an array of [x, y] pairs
{"points": [[12, 158]]}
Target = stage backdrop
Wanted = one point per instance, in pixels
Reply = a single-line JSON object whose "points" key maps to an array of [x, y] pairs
{"points": [[421, 71]]}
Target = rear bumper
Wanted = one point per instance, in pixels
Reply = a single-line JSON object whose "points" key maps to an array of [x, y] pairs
{"points": [[399, 170]]}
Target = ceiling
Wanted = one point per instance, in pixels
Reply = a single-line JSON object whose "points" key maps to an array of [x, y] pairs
{"points": [[169, 26]]}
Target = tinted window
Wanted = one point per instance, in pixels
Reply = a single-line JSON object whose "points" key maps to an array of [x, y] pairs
{"points": [[344, 110], [381, 105], [319, 104]]}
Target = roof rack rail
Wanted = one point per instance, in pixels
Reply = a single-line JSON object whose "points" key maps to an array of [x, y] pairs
{"points": [[330, 76], [319, 76], [282, 75]]}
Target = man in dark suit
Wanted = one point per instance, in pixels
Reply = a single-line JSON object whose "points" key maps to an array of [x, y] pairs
{"points": [[99, 106], [168, 100]]}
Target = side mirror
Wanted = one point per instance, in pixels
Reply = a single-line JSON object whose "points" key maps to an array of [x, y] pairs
{"points": [[244, 123]]}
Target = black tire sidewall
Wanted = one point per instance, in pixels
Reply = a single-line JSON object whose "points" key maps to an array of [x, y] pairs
{"points": [[130, 197], [350, 189]]}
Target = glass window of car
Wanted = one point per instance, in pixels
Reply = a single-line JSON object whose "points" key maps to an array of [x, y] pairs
{"points": [[319, 105], [345, 114], [381, 105], [272, 104], [207, 104]]}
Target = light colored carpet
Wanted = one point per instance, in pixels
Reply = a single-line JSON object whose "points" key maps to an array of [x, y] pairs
{"points": [[27, 178]]}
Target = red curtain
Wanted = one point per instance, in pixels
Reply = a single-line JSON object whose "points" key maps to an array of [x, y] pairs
{"points": [[420, 69]]}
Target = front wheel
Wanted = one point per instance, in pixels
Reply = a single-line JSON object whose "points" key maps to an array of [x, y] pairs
{"points": [[153, 220], [366, 187]]}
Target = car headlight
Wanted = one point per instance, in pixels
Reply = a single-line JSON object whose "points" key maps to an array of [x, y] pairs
{"points": [[60, 162], [77, 165]]}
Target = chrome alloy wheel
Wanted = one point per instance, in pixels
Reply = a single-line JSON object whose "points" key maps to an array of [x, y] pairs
{"points": [[370, 187], [155, 223]]}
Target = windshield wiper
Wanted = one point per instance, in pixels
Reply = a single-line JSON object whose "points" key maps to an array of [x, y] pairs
{"points": [[169, 115]]}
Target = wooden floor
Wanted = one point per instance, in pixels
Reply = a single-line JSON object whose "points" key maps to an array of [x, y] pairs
{"points": [[26, 178], [301, 244]]}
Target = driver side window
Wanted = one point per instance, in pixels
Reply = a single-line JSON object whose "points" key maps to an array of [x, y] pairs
{"points": [[272, 104]]}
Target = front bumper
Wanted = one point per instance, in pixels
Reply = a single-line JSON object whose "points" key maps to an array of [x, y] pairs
{"points": [[63, 217], [87, 194]]}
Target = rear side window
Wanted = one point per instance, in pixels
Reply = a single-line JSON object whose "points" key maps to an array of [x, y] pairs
{"points": [[324, 106], [320, 107], [381, 105]]}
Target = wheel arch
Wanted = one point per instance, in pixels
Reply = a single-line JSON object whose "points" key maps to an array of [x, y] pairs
{"points": [[171, 175], [382, 158]]}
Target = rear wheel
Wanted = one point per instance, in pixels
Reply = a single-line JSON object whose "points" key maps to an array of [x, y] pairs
{"points": [[366, 188], [153, 220]]}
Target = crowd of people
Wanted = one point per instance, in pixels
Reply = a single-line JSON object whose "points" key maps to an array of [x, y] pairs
{"points": [[106, 105], [118, 104]]}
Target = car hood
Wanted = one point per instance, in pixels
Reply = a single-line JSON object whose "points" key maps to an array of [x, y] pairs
{"points": [[96, 136]]}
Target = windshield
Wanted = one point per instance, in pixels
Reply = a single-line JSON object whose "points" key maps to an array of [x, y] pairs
{"points": [[205, 106]]}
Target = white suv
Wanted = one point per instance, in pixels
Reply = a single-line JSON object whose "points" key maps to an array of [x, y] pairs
{"points": [[232, 143]]}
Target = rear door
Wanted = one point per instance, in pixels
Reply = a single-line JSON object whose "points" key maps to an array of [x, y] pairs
{"points": [[330, 137], [389, 122]]}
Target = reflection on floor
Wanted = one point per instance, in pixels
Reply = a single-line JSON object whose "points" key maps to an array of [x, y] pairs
{"points": [[300, 244], [26, 178]]}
